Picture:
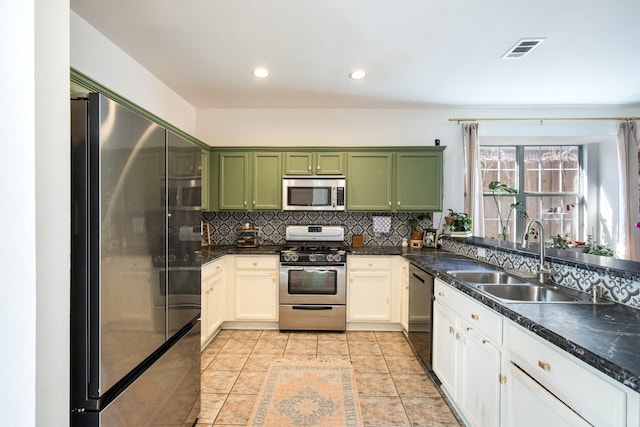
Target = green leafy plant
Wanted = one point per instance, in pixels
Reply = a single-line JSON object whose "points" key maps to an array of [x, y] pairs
{"points": [[498, 188], [461, 222], [413, 222], [595, 249]]}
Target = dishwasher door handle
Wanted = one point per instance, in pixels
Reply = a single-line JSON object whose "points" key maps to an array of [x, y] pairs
{"points": [[312, 307], [418, 277]]}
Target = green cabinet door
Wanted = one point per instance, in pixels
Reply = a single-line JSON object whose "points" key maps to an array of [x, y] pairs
{"points": [[330, 163], [298, 163], [234, 183], [419, 181], [369, 181], [314, 163], [267, 181]]}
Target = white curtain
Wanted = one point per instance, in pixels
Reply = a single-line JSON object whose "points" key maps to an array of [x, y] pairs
{"points": [[628, 246], [473, 201]]}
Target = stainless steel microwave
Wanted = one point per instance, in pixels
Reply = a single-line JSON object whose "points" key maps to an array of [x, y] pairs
{"points": [[313, 193]]}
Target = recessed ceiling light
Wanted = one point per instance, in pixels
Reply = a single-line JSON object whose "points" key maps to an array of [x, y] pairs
{"points": [[358, 74], [261, 72]]}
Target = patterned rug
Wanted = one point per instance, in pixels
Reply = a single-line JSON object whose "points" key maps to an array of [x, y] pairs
{"points": [[308, 394]]}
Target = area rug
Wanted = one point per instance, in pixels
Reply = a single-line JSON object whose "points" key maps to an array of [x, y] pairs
{"points": [[308, 394]]}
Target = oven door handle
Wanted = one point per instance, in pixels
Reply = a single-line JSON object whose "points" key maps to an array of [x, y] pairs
{"points": [[312, 307]]}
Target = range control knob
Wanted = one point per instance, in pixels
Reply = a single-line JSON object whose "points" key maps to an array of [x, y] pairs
{"points": [[294, 257], [330, 257], [312, 257], [337, 258]]}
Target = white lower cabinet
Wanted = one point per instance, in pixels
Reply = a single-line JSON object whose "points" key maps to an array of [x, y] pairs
{"points": [[404, 294], [499, 374], [528, 404], [369, 289], [464, 359], [256, 287], [212, 300]]}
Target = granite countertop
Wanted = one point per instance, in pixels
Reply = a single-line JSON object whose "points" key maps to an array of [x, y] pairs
{"points": [[605, 336]]}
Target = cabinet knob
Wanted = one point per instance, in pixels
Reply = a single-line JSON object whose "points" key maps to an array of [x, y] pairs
{"points": [[255, 263], [318, 167], [245, 203], [441, 294], [254, 203], [309, 168], [398, 202], [389, 202], [475, 316], [451, 330], [544, 365]]}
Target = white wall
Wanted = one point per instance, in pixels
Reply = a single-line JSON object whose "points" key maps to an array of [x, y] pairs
{"points": [[18, 215], [52, 181], [97, 57]]}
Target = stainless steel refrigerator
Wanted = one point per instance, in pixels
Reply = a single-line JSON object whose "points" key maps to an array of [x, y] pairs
{"points": [[135, 269]]}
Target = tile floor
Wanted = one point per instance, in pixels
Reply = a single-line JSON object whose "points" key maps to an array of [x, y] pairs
{"points": [[393, 388]]}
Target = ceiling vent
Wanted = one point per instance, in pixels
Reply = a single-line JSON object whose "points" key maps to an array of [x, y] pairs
{"points": [[522, 48]]}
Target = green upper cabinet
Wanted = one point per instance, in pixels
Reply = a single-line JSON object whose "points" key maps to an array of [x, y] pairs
{"points": [[234, 181], [314, 163], [250, 181], [369, 177], [267, 181], [418, 183], [186, 162]]}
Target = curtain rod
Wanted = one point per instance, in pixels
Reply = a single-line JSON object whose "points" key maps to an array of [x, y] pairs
{"points": [[543, 119]]}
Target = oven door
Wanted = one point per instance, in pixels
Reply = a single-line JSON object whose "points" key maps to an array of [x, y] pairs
{"points": [[312, 284]]}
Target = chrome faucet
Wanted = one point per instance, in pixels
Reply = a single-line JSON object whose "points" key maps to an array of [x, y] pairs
{"points": [[542, 271]]}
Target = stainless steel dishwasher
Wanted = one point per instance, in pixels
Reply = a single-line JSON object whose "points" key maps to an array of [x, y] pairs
{"points": [[420, 309]]}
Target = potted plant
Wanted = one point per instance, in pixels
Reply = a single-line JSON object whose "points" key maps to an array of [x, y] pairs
{"points": [[461, 222], [449, 218], [497, 188], [414, 222]]}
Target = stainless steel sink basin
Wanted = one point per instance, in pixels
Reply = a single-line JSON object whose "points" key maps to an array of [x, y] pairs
{"points": [[497, 277], [526, 293]]}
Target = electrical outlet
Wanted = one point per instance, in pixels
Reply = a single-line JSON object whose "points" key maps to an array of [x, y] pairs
{"points": [[482, 253]]}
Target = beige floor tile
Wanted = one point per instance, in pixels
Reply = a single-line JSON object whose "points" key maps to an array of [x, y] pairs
{"points": [[404, 364], [217, 381], [301, 346], [361, 336], [260, 362], [215, 346], [205, 360], [246, 334], [389, 336], [249, 382], [333, 347], [229, 362], [370, 384], [428, 412], [274, 335], [210, 405], [415, 385], [225, 333], [236, 346], [396, 348], [303, 335], [383, 411], [364, 348], [269, 346], [369, 363], [332, 336], [236, 409]]}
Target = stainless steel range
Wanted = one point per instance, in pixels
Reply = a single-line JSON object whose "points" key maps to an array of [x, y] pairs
{"points": [[313, 278]]}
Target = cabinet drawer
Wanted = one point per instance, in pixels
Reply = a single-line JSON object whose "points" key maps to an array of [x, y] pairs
{"points": [[211, 268], [256, 262], [474, 314], [369, 263], [576, 384]]}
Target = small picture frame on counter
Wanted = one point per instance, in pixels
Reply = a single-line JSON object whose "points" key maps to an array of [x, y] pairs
{"points": [[206, 236], [430, 238]]}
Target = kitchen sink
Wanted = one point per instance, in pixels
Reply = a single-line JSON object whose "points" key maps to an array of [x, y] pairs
{"points": [[489, 276], [508, 288], [526, 293]]}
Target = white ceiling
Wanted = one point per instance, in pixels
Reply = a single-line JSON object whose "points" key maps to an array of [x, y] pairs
{"points": [[417, 53]]}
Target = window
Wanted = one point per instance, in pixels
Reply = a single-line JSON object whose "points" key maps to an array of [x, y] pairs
{"points": [[549, 185]]}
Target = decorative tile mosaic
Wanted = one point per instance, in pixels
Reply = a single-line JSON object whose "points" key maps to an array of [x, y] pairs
{"points": [[623, 288], [272, 225]]}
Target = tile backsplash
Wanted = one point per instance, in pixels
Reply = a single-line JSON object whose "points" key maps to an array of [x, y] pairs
{"points": [[223, 225]]}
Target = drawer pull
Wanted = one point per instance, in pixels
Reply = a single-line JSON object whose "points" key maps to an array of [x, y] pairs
{"points": [[475, 316], [544, 365], [255, 263]]}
